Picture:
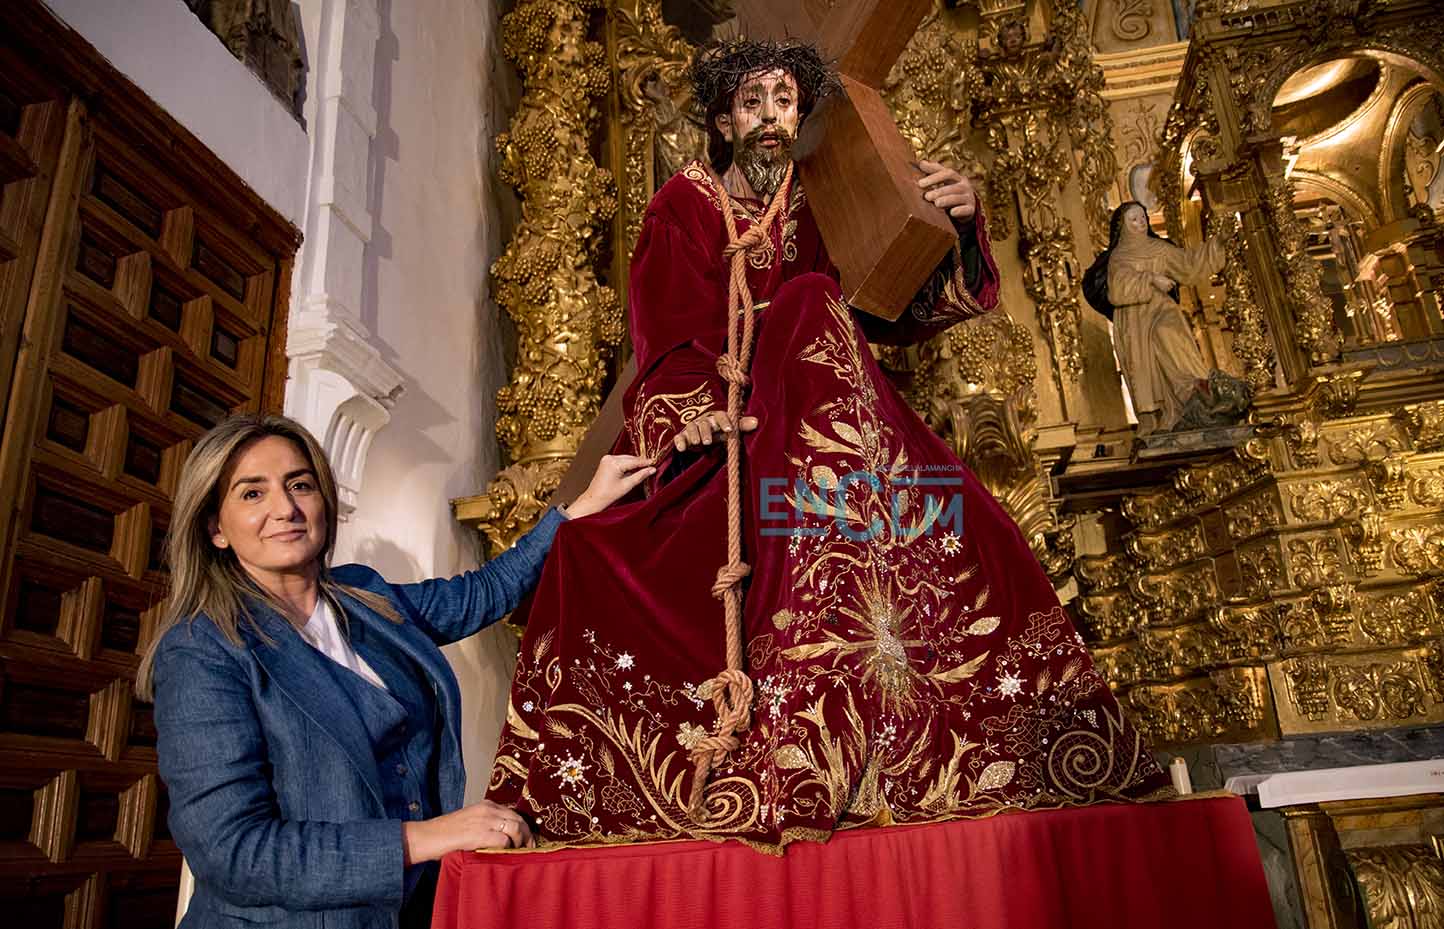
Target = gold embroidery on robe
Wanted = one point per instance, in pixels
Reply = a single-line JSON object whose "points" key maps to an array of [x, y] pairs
{"points": [[659, 417]]}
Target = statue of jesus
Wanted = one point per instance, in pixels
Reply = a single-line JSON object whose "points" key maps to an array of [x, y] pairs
{"points": [[911, 661]]}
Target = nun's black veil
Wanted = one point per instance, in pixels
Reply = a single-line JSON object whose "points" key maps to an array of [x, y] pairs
{"points": [[1095, 280]]}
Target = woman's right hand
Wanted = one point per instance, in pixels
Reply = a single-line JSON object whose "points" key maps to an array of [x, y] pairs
{"points": [[614, 478], [1163, 283], [482, 825]]}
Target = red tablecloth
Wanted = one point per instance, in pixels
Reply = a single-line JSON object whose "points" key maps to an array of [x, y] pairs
{"points": [[1176, 865]]}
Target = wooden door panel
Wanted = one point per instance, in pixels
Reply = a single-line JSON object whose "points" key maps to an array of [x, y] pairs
{"points": [[32, 111], [142, 300]]}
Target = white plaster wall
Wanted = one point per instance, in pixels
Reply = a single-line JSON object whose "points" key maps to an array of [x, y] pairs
{"points": [[425, 300], [169, 54], [441, 92]]}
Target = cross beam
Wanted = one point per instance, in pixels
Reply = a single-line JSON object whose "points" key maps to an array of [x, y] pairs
{"points": [[856, 167]]}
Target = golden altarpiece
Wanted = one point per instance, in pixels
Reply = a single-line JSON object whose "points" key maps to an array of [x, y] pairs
{"points": [[1248, 586]]}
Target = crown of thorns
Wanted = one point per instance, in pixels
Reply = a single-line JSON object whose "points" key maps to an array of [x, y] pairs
{"points": [[718, 69]]}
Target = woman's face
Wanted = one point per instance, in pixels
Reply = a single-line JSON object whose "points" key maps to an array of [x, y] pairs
{"points": [[271, 513], [1135, 221]]}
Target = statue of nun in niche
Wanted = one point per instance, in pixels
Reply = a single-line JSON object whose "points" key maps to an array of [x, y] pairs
{"points": [[1135, 284]]}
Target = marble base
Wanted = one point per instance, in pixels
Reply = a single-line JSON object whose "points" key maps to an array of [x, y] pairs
{"points": [[1190, 441], [1313, 752], [1209, 766]]}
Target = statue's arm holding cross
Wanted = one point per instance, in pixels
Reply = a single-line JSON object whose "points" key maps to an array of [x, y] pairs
{"points": [[887, 228]]}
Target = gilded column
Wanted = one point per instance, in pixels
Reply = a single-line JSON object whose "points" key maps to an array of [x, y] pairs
{"points": [[976, 384], [567, 323]]}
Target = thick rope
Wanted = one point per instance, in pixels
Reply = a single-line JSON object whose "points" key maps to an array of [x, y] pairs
{"points": [[731, 690]]}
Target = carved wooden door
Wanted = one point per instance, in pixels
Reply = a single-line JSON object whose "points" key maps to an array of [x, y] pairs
{"points": [[142, 296]]}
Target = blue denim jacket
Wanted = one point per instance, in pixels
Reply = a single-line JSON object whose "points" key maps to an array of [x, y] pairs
{"points": [[276, 798]]}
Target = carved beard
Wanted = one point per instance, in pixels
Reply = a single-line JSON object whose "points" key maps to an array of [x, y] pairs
{"points": [[764, 168]]}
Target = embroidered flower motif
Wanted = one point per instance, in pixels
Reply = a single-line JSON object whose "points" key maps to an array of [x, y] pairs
{"points": [[528, 706], [1010, 686], [626, 685], [689, 735], [774, 692], [572, 772], [951, 544], [625, 662], [689, 690]]}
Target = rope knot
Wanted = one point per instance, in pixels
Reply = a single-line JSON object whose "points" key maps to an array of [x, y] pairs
{"points": [[731, 369], [731, 692], [747, 241], [729, 576]]}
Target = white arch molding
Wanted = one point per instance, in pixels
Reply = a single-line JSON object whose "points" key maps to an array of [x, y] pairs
{"points": [[340, 387]]}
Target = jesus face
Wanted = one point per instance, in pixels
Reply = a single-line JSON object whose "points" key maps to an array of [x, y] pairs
{"points": [[761, 125]]}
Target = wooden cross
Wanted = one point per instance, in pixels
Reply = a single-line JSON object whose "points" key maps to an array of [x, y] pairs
{"points": [[856, 167]]}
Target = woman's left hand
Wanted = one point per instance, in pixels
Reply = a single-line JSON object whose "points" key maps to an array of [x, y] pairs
{"points": [[949, 190], [615, 477]]}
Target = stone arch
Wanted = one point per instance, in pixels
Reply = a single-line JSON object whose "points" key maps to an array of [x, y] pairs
{"points": [[1400, 47]]}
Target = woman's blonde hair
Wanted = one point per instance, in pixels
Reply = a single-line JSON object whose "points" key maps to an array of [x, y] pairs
{"points": [[208, 580]]}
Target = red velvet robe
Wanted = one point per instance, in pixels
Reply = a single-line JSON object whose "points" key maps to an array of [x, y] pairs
{"points": [[910, 657]]}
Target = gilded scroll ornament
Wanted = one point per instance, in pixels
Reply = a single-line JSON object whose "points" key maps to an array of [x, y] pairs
{"points": [[929, 92], [1379, 691], [1110, 616], [1102, 572], [1387, 479], [1090, 125], [1327, 500], [1032, 164], [658, 125], [1418, 549], [1247, 632], [976, 383], [1424, 423], [1261, 569], [1372, 442], [1041, 109], [1152, 509], [1308, 687], [1427, 488], [1211, 482], [1225, 703], [1315, 560], [1301, 436], [1402, 619], [1167, 549], [1252, 515], [1178, 596], [1403, 885], [1351, 691], [1366, 541]]}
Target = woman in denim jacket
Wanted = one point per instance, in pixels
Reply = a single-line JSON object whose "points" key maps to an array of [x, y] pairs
{"points": [[309, 726]]}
